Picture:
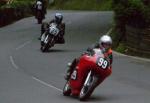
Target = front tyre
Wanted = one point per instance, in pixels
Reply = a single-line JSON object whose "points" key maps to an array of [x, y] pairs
{"points": [[45, 43], [45, 47], [67, 89], [88, 88]]}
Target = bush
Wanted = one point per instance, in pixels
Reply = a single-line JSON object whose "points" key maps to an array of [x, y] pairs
{"points": [[132, 12], [82, 5], [121, 48], [19, 4], [15, 11]]}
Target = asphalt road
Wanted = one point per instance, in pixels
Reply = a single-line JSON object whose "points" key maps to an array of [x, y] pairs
{"points": [[29, 76]]}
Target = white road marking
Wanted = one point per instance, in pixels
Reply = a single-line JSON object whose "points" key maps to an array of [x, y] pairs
{"points": [[46, 84], [13, 63], [24, 44], [42, 82]]}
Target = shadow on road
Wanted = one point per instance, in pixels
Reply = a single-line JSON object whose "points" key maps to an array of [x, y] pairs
{"points": [[97, 98], [92, 98]]}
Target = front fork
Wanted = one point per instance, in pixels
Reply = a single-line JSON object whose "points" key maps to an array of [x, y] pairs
{"points": [[88, 79], [92, 78]]}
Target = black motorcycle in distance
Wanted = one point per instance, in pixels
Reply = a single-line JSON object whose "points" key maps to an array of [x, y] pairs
{"points": [[49, 37]]}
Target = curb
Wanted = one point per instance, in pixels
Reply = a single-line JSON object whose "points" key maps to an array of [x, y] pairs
{"points": [[133, 57]]}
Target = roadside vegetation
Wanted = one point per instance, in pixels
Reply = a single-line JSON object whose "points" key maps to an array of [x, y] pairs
{"points": [[97, 5], [18, 3], [136, 15], [14, 11]]}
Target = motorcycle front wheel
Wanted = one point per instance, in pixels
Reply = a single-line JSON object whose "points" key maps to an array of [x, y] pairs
{"points": [[46, 46], [67, 89], [88, 88]]}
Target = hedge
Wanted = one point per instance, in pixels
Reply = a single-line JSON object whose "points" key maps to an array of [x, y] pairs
{"points": [[14, 11], [132, 12]]}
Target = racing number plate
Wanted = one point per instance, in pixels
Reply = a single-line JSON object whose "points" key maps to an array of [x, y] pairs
{"points": [[102, 63]]}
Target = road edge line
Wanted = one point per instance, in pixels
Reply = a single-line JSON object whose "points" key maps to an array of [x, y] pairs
{"points": [[46, 84]]}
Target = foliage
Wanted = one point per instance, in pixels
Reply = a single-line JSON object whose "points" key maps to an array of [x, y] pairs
{"points": [[132, 12], [19, 4], [14, 11], [82, 5], [121, 48]]}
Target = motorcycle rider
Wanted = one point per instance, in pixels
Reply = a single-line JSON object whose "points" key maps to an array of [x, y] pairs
{"points": [[60, 24], [105, 43], [45, 3], [40, 5]]}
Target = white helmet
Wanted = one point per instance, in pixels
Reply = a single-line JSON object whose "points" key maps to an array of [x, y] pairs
{"points": [[58, 17], [39, 3], [105, 42]]}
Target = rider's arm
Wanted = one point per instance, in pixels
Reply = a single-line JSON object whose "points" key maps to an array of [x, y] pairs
{"points": [[111, 58], [90, 49]]}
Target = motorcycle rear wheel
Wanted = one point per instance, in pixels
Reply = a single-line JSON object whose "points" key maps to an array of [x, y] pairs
{"points": [[39, 21], [39, 17]]}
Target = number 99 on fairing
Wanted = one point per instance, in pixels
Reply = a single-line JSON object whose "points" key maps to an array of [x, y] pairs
{"points": [[102, 63]]}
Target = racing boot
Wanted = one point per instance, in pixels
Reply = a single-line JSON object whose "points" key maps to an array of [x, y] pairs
{"points": [[71, 67]]}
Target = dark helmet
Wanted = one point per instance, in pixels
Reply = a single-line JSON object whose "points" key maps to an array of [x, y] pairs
{"points": [[58, 17]]}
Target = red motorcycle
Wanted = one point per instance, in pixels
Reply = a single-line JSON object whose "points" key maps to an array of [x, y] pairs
{"points": [[89, 72]]}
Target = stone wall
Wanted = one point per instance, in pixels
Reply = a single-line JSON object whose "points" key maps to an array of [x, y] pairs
{"points": [[138, 41]]}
